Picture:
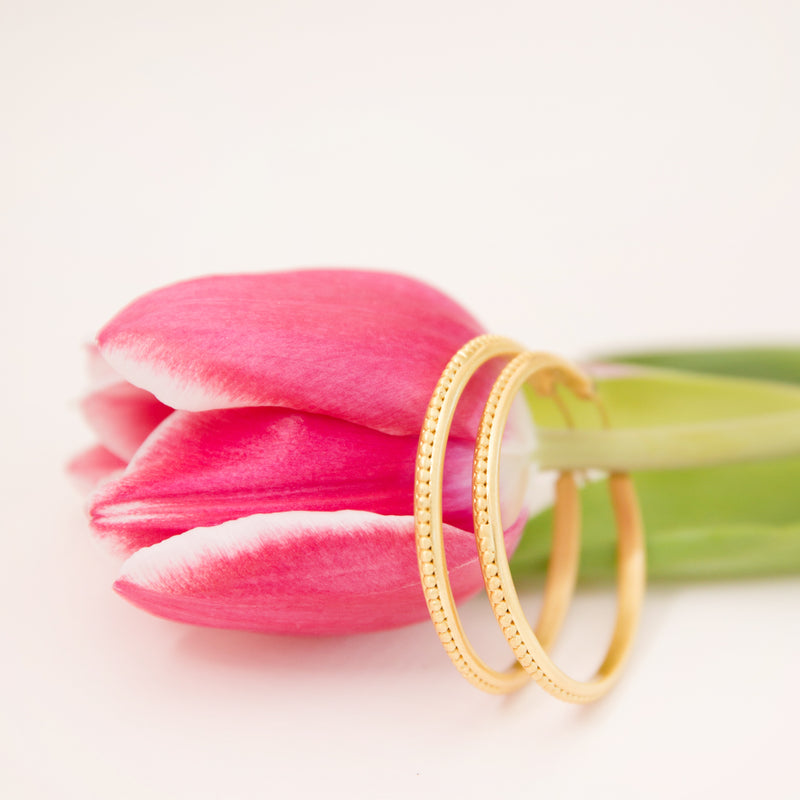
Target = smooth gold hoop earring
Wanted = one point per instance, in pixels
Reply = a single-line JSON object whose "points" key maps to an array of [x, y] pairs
{"points": [[562, 568], [544, 371]]}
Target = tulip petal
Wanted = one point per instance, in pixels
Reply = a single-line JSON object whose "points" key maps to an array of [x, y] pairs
{"points": [[201, 469], [123, 416], [363, 346], [297, 572], [93, 466]]}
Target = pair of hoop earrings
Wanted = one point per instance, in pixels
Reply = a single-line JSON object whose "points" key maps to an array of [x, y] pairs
{"points": [[544, 372]]}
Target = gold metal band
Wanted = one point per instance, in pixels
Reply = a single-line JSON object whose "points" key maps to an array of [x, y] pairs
{"points": [[430, 534], [544, 372]]}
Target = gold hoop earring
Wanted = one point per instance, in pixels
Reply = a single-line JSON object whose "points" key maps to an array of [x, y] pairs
{"points": [[527, 647], [562, 568]]}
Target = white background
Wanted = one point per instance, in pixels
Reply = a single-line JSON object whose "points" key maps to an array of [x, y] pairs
{"points": [[584, 176]]}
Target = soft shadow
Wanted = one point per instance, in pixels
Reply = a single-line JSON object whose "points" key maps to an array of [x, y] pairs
{"points": [[355, 654], [413, 654]]}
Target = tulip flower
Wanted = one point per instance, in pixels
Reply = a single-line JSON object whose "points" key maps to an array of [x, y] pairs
{"points": [[258, 437]]}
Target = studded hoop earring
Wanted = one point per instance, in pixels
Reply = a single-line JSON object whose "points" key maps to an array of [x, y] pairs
{"points": [[529, 648], [562, 568]]}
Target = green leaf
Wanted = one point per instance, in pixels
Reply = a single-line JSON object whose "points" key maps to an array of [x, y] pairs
{"points": [[720, 520], [729, 521]]}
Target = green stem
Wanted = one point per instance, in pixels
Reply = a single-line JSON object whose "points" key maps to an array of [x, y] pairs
{"points": [[671, 446], [664, 419]]}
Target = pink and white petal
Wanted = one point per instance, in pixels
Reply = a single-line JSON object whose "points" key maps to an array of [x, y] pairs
{"points": [[123, 416], [296, 572], [201, 469], [93, 466], [363, 346]]}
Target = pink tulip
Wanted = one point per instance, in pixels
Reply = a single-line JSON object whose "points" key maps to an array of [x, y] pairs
{"points": [[258, 437]]}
